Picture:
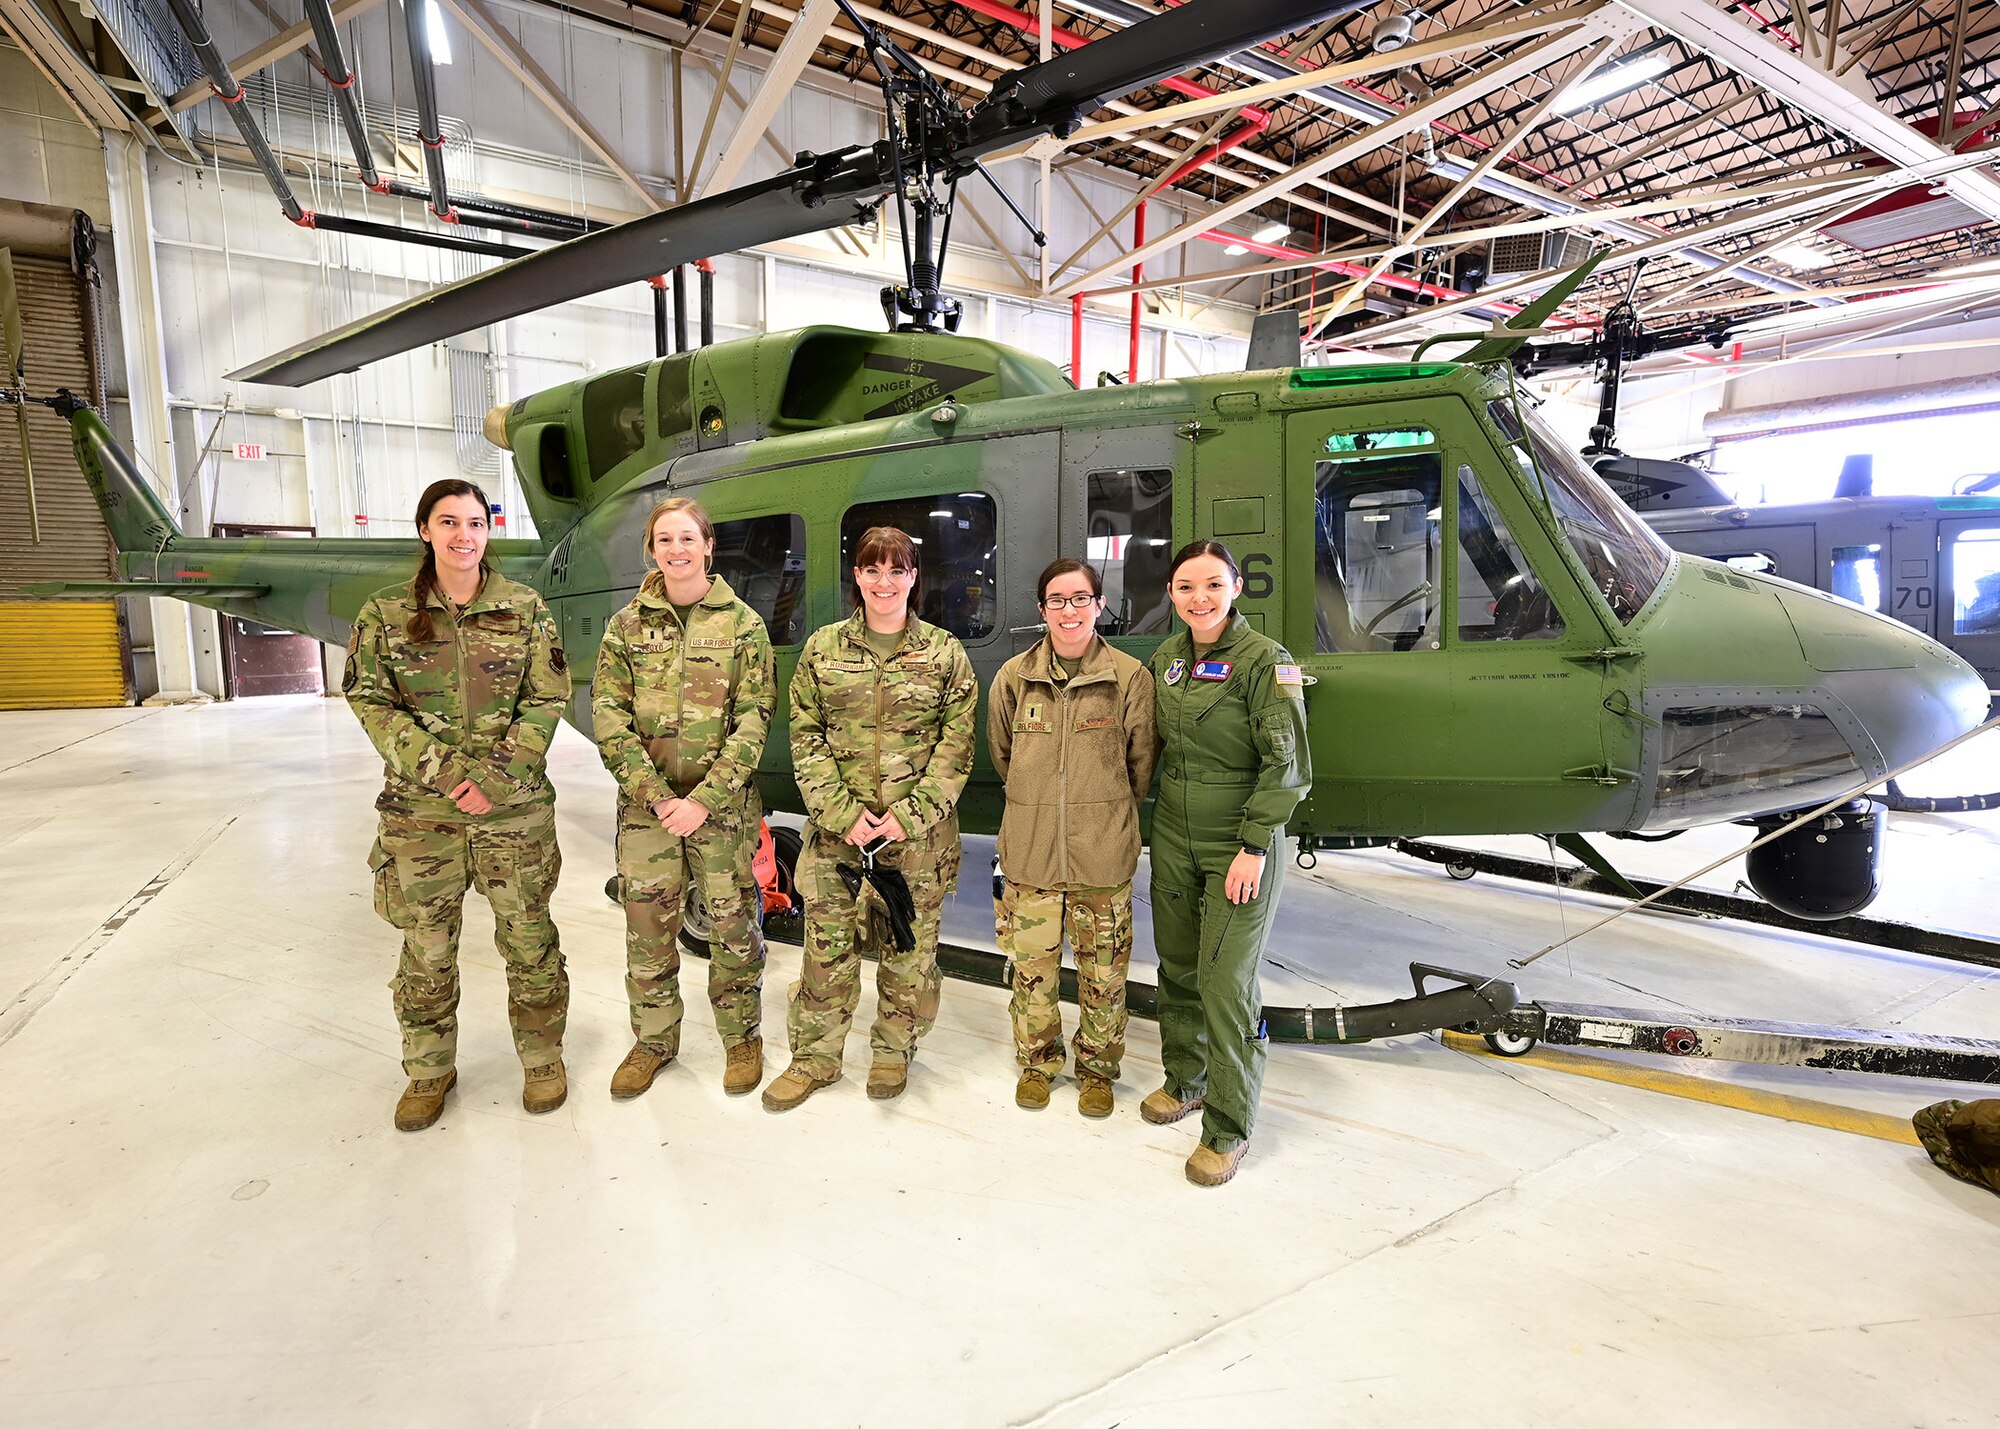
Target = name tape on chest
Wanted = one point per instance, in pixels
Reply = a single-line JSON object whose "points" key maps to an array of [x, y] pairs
{"points": [[1214, 670]]}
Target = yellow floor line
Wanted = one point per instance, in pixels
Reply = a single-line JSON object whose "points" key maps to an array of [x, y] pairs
{"points": [[1879, 1125]]}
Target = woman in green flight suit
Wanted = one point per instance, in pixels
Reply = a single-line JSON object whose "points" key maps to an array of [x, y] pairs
{"points": [[1233, 765]]}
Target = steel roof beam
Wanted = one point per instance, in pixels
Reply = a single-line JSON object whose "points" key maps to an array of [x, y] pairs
{"points": [[1844, 104], [1523, 62], [1357, 106]]}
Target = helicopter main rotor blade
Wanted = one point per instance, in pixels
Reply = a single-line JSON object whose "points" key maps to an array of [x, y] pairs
{"points": [[1068, 86], [827, 191], [833, 190]]}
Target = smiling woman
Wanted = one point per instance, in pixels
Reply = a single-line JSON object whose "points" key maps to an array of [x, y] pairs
{"points": [[459, 679], [882, 736], [681, 706]]}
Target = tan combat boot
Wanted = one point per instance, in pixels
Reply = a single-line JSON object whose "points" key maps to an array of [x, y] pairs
{"points": [[545, 1088], [793, 1086], [1163, 1108], [422, 1102], [1208, 1167], [637, 1071], [744, 1067], [1095, 1098], [887, 1079], [1032, 1091]]}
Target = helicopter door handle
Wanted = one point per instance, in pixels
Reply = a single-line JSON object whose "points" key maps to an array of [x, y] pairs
{"points": [[1619, 703]]}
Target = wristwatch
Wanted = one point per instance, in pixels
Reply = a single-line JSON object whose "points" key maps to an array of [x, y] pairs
{"points": [[1255, 852]]}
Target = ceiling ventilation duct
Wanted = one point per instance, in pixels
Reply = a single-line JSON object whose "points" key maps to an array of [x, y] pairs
{"points": [[1919, 211], [1518, 255]]}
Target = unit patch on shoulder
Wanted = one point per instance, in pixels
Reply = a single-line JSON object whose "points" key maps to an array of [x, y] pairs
{"points": [[1176, 669], [1213, 669]]}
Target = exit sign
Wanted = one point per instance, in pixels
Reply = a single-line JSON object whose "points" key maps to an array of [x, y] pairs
{"points": [[249, 451]]}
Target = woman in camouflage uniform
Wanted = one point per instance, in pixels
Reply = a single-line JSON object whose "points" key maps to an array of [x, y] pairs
{"points": [[1233, 766], [883, 720], [458, 678], [681, 706]]}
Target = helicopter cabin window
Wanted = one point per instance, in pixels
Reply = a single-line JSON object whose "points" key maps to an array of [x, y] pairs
{"points": [[1857, 575], [956, 549], [614, 418], [1722, 761], [1625, 560], [1129, 525], [1499, 595], [1375, 544], [1975, 581], [764, 561], [1755, 563]]}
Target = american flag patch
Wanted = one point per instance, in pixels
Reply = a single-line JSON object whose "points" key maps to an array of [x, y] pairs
{"points": [[1289, 675]]}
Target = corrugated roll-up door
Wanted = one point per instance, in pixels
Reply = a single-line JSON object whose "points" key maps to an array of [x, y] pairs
{"points": [[54, 654], [61, 654]]}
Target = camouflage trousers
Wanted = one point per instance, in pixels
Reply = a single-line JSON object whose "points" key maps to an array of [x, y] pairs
{"points": [[655, 872], [422, 868], [1031, 923], [838, 925]]}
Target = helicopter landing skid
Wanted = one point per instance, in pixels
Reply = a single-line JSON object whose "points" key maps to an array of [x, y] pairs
{"points": [[1875, 932]]}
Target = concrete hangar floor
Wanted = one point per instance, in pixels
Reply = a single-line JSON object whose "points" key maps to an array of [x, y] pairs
{"points": [[210, 1219]]}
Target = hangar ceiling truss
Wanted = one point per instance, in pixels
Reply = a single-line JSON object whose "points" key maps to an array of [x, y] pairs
{"points": [[1768, 157]]}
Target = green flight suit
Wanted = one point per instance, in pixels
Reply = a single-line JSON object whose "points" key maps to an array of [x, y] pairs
{"points": [[479, 700], [1234, 764]]}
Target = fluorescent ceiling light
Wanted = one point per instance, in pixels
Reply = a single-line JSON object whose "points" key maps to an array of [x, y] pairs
{"points": [[434, 33], [1800, 255], [1235, 250], [1610, 82], [1271, 233]]}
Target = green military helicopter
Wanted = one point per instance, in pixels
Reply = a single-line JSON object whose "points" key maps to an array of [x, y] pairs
{"points": [[1498, 645]]}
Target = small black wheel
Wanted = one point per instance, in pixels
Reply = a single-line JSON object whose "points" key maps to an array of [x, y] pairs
{"points": [[611, 888], [1511, 1044], [1460, 871]]}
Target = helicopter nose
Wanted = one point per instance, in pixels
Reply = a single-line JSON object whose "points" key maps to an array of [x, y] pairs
{"points": [[1909, 693]]}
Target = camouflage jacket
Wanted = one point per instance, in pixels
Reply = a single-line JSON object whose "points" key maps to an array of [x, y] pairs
{"points": [[1077, 758], [477, 701], [684, 710], [891, 736]]}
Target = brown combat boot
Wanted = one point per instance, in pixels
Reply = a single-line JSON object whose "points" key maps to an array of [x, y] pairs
{"points": [[793, 1086], [1032, 1091], [744, 1067], [422, 1102], [545, 1088], [637, 1071], [1208, 1167], [887, 1079], [1095, 1098], [1163, 1108]]}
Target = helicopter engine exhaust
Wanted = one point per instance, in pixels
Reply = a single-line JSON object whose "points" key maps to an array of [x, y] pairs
{"points": [[495, 427], [1824, 870]]}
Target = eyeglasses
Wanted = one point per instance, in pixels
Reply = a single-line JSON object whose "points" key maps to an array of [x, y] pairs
{"points": [[1069, 602]]}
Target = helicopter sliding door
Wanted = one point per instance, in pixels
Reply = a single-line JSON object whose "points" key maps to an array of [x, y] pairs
{"points": [[1441, 627]]}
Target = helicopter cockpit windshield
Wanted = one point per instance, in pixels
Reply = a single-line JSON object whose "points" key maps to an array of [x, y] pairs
{"points": [[1625, 559]]}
